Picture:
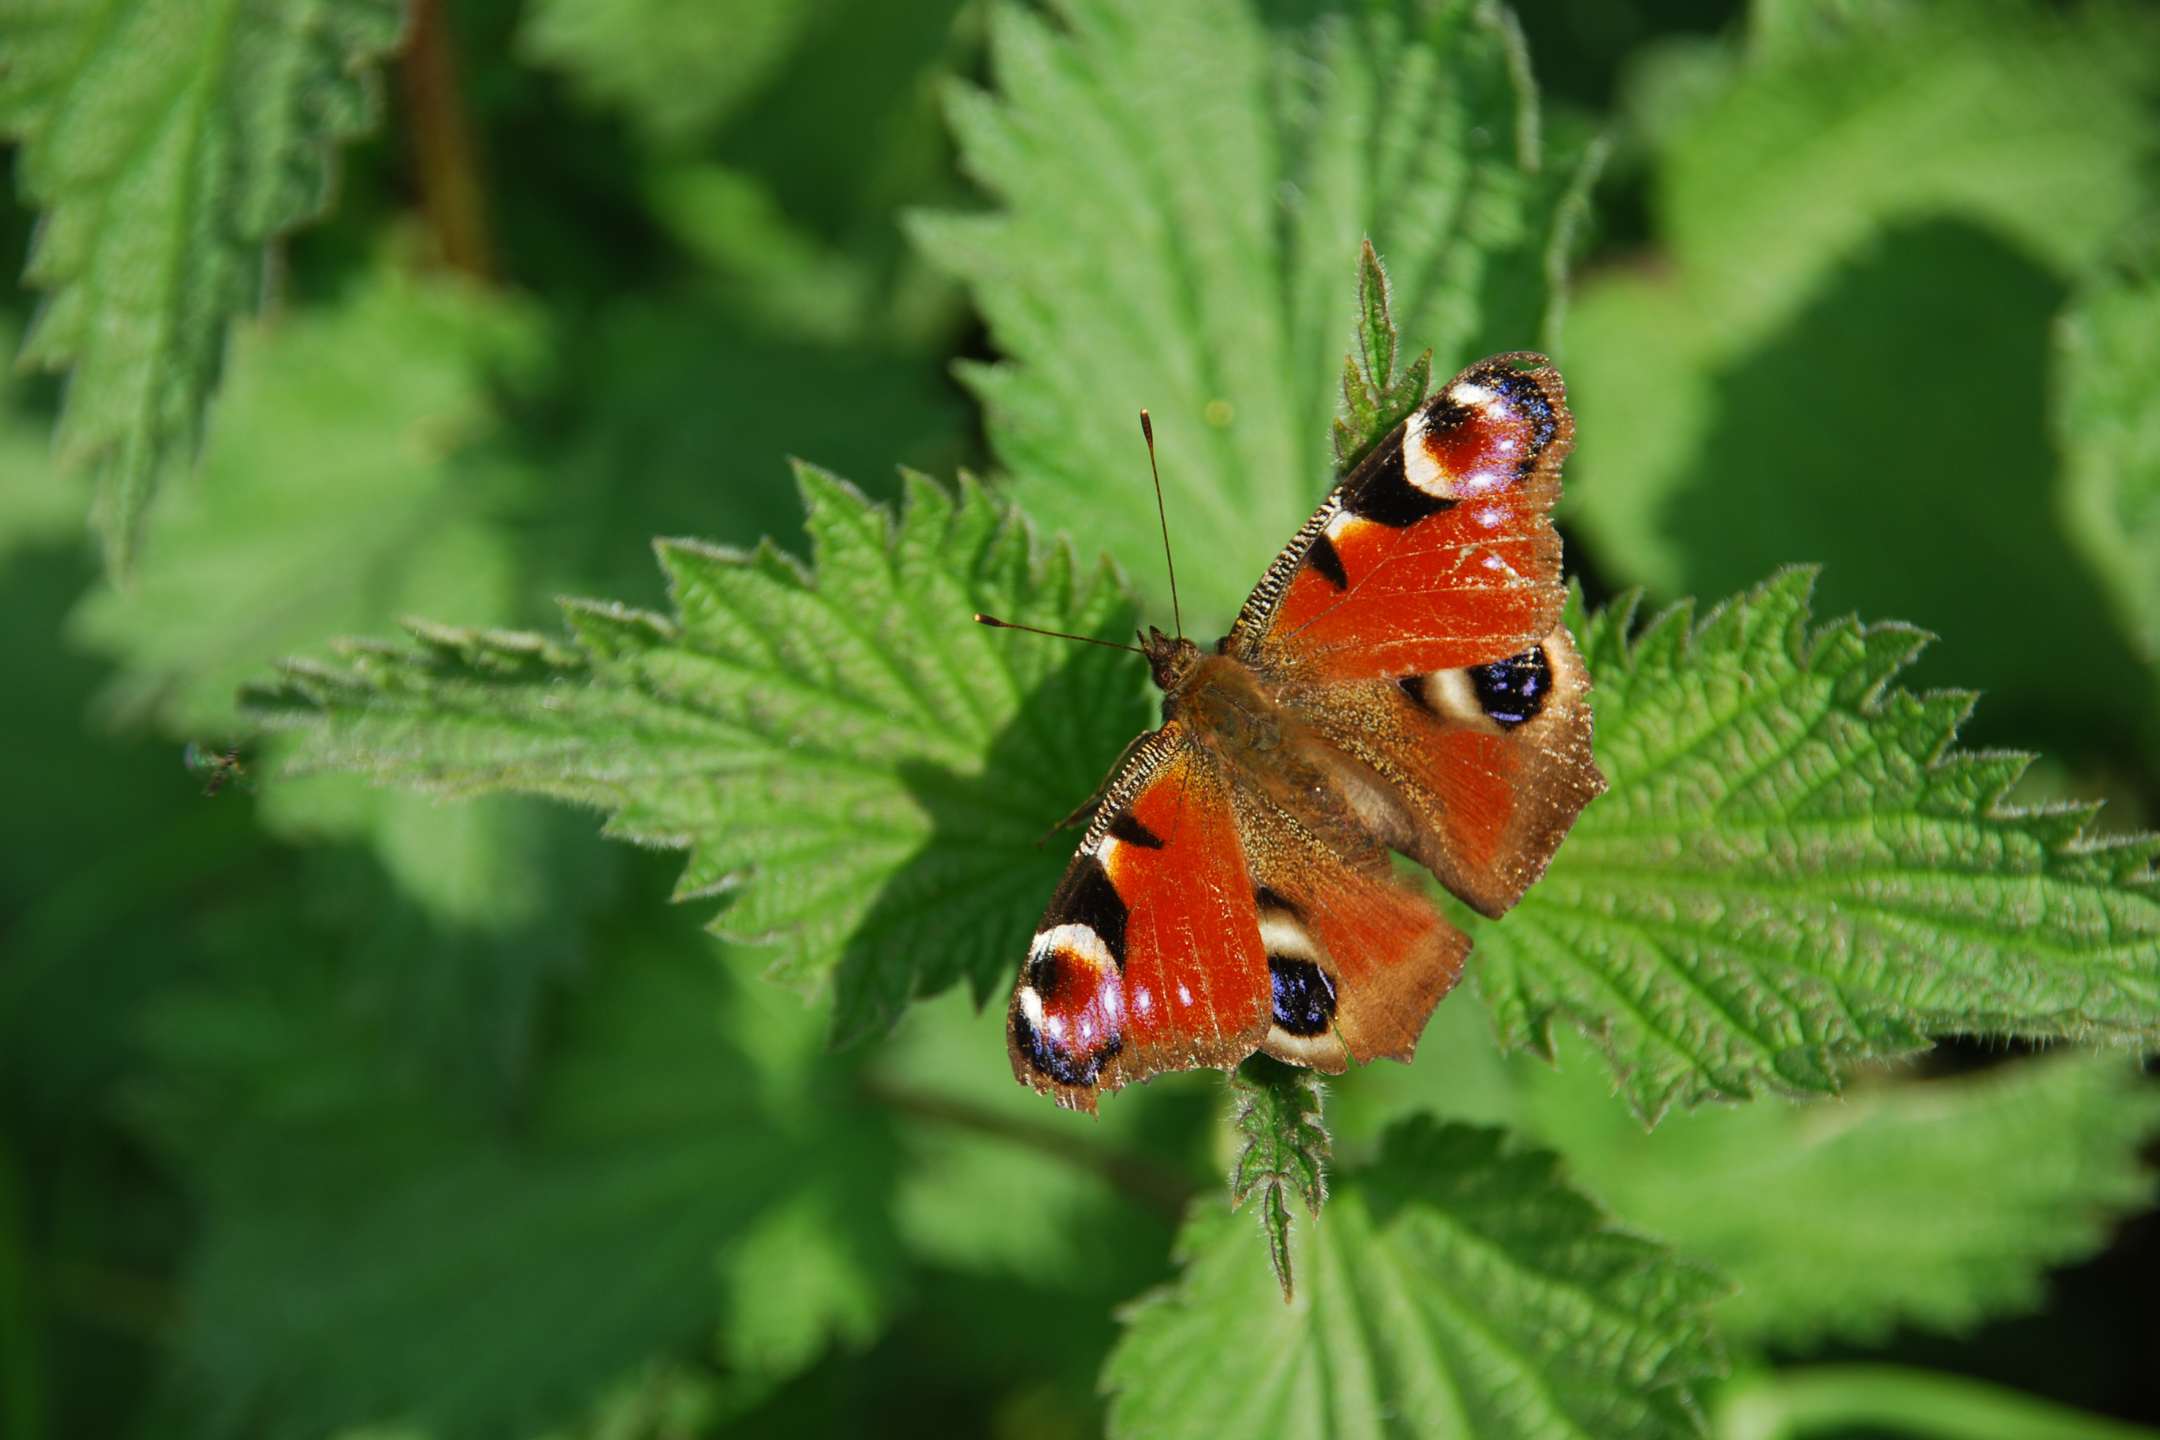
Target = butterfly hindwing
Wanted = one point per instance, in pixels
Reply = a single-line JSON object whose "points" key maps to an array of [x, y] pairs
{"points": [[1438, 552], [1149, 956], [1356, 959], [1491, 763]]}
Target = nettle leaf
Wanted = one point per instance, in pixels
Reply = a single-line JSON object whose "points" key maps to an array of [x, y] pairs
{"points": [[357, 474], [1927, 183], [2107, 371], [1376, 394], [1283, 1150], [166, 142], [38, 508], [1173, 237], [367, 1229], [862, 772], [1937, 1203], [1455, 1286], [1902, 1201], [2010, 116], [680, 68], [1794, 871]]}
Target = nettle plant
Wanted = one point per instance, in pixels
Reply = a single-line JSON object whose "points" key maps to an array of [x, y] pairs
{"points": [[1794, 879]]}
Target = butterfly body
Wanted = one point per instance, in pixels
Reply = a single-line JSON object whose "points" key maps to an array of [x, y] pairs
{"points": [[1398, 682]]}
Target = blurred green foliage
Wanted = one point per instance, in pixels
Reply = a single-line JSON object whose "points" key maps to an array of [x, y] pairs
{"points": [[335, 1109]]}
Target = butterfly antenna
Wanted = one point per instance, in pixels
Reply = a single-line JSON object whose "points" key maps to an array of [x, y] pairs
{"points": [[996, 624], [1147, 429]]}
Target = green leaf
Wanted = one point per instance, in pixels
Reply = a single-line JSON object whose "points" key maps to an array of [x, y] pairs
{"points": [[681, 68], [1375, 397], [167, 142], [1456, 1286], [2107, 371], [681, 414], [365, 1228], [1003, 1187], [38, 507], [860, 770], [1905, 1201], [356, 476], [359, 472], [1284, 1150], [1794, 871], [2009, 116], [1173, 236], [1937, 1203], [1924, 186]]}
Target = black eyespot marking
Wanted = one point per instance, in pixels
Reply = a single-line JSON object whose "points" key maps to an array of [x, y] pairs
{"points": [[1324, 558], [1128, 829], [1268, 899], [1088, 898], [1045, 976], [1414, 687], [1512, 691], [1385, 496], [1304, 996], [1527, 401], [1061, 1065]]}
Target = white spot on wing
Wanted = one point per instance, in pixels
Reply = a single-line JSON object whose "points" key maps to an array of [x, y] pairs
{"points": [[1281, 934], [1450, 693], [1322, 1052], [1473, 395], [1030, 1006], [1079, 941], [1419, 468]]}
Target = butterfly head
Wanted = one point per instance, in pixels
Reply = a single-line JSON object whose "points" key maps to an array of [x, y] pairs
{"points": [[1171, 657]]}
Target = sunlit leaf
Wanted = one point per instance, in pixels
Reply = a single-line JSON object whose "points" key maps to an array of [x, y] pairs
{"points": [[1795, 870], [1456, 1286], [166, 142]]}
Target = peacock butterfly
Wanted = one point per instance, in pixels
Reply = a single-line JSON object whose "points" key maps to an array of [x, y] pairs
{"points": [[1399, 680]]}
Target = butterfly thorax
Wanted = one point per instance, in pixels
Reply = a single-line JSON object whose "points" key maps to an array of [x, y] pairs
{"points": [[1231, 710]]}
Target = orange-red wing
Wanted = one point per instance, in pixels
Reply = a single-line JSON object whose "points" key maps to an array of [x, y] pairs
{"points": [[1490, 763], [1149, 956], [1438, 552], [1356, 959]]}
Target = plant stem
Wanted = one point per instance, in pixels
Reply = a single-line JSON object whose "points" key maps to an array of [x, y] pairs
{"points": [[1925, 1404], [451, 194], [1156, 1186]]}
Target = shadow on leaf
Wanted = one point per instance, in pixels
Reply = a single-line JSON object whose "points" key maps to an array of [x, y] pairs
{"points": [[1896, 429], [964, 907]]}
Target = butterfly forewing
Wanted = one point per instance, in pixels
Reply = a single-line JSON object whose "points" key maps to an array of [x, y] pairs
{"points": [[1438, 552], [1149, 956]]}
